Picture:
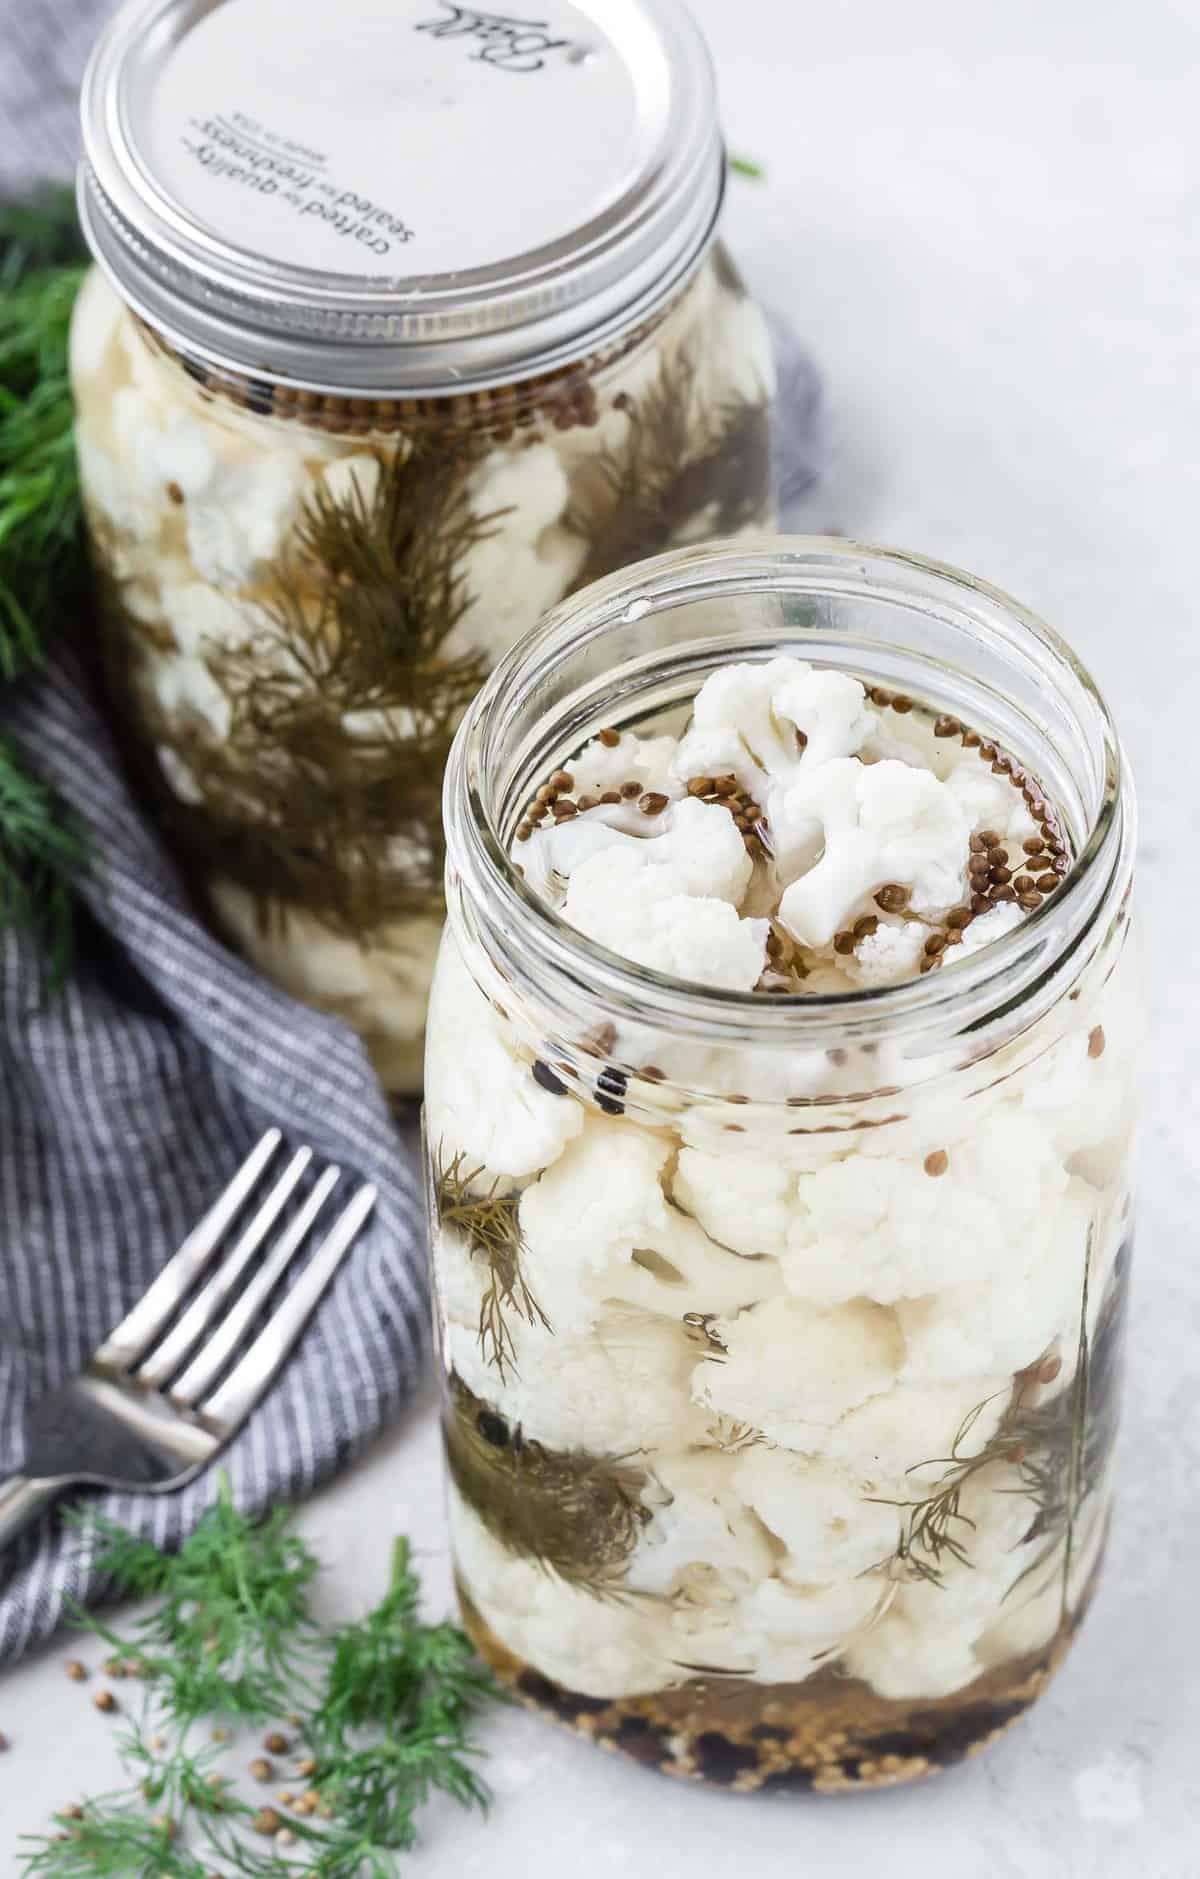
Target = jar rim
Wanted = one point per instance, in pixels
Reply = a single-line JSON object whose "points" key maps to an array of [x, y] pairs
{"points": [[965, 992]]}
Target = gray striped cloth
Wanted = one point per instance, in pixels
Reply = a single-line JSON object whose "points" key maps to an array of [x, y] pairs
{"points": [[129, 1097]]}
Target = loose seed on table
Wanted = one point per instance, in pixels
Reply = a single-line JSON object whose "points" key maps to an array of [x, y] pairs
{"points": [[1096, 1041], [276, 1744], [266, 1822], [76, 1671], [105, 1701], [262, 1769], [937, 1163]]}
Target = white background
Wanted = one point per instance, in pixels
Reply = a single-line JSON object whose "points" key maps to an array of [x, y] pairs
{"points": [[982, 214]]}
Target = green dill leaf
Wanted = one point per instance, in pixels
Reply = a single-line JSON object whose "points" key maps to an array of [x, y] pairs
{"points": [[746, 166]]}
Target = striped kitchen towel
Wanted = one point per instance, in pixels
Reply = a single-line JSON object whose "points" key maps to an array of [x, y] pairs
{"points": [[127, 1099]]}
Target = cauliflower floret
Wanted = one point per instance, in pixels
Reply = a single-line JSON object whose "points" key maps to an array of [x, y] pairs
{"points": [[743, 1201], [827, 1519], [644, 760], [524, 565], [899, 1441], [801, 1625], [598, 1228], [701, 1524], [619, 1388], [482, 1100], [905, 1656], [990, 927], [870, 824], [597, 1647], [1005, 1322], [890, 1229], [793, 1372], [97, 315], [668, 902], [892, 953]]}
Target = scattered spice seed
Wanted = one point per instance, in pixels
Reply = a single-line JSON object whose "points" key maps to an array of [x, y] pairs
{"points": [[1047, 883], [1004, 892], [285, 1837], [584, 803], [935, 944], [544, 1076], [262, 1769], [700, 786], [609, 737], [611, 795], [105, 1701], [843, 943], [652, 803], [276, 1744], [946, 727], [1096, 1041], [990, 838], [980, 903], [1030, 901], [954, 937], [868, 924], [266, 1822], [959, 917], [524, 831], [220, 1735], [564, 809], [562, 780], [1000, 875], [1033, 844], [970, 740], [937, 1162], [902, 703], [1024, 883], [547, 794], [728, 786], [76, 1671], [630, 790]]}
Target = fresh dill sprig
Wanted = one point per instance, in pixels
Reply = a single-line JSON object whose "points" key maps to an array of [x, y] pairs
{"points": [[42, 554], [230, 1635], [380, 1713], [489, 1221]]}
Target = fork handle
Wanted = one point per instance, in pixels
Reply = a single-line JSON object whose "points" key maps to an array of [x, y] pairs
{"points": [[21, 1501]]}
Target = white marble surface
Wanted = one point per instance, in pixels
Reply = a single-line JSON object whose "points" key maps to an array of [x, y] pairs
{"points": [[983, 217]]}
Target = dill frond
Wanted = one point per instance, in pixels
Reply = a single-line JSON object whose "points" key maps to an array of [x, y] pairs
{"points": [[489, 1222], [384, 1706], [578, 1515], [682, 464]]}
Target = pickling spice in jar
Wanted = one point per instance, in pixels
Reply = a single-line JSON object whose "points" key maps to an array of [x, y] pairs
{"points": [[411, 329]]}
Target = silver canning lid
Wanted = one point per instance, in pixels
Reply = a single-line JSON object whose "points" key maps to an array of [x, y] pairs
{"points": [[399, 195]]}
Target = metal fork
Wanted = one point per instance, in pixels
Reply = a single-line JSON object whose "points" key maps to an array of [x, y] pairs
{"points": [[159, 1398]]}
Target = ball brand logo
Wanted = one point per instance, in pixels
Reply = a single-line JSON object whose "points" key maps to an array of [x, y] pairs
{"points": [[511, 44]]}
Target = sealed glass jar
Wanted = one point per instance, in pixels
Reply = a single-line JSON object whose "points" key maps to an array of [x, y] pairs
{"points": [[781, 1325], [408, 321]]}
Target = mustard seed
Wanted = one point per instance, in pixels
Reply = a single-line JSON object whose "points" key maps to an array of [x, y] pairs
{"points": [[990, 838], [937, 1163], [609, 737], [276, 1744], [652, 803], [970, 740], [266, 1822], [262, 1769], [76, 1671], [562, 780], [630, 790], [892, 897], [902, 703], [611, 795], [105, 1701], [946, 727]]}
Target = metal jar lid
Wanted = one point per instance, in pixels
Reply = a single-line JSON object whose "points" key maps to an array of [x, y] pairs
{"points": [[399, 195]]}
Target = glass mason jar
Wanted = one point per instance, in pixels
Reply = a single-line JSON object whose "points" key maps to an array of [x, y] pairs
{"points": [[781, 1335], [321, 503]]}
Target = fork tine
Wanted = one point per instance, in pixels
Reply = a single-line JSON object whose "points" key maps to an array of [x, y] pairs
{"points": [[166, 1358], [208, 1363], [135, 1333], [236, 1397]]}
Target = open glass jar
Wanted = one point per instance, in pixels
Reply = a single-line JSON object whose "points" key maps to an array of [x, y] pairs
{"points": [[781, 1336], [412, 330]]}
